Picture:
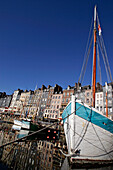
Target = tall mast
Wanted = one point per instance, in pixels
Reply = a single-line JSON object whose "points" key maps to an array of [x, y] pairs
{"points": [[94, 61]]}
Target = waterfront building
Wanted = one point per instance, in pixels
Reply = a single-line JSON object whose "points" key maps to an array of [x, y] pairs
{"points": [[2, 94], [15, 101], [43, 101], [53, 102], [5, 103], [88, 96], [66, 97], [24, 100], [15, 97], [34, 103], [109, 98], [99, 101], [54, 111]]}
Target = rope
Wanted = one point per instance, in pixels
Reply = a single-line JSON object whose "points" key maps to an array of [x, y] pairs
{"points": [[99, 64], [107, 59], [105, 52], [86, 54], [99, 139], [87, 59], [83, 130], [102, 52]]}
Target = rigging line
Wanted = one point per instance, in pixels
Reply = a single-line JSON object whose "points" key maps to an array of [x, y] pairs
{"points": [[105, 52], [102, 52], [99, 139], [86, 50], [102, 138], [107, 59], [68, 155], [87, 59], [99, 64], [85, 127], [88, 141], [82, 136]]}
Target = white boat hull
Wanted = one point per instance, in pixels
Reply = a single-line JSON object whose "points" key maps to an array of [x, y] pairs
{"points": [[88, 139]]}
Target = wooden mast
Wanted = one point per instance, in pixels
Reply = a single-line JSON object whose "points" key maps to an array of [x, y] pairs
{"points": [[94, 61]]}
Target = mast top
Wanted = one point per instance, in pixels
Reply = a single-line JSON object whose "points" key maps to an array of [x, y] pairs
{"points": [[95, 13]]}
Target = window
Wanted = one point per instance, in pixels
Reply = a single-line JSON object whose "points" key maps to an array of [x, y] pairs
{"points": [[97, 95], [100, 108], [87, 100], [71, 94], [59, 97], [100, 101], [64, 94], [97, 101], [67, 94], [57, 106], [100, 95], [66, 100], [88, 94], [49, 159]]}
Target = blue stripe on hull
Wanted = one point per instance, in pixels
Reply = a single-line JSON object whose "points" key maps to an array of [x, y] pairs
{"points": [[66, 112], [90, 115]]}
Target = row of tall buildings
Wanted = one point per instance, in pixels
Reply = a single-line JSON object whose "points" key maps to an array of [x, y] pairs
{"points": [[49, 102]]}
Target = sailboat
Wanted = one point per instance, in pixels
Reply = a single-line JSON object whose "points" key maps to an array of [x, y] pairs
{"points": [[89, 133]]}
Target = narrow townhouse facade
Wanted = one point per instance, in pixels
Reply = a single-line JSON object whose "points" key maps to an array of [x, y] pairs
{"points": [[14, 106], [54, 111], [43, 101], [5, 103], [66, 97], [24, 100], [109, 98], [88, 97], [53, 102], [99, 101]]}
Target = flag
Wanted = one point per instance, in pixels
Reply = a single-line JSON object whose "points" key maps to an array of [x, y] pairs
{"points": [[99, 28]]}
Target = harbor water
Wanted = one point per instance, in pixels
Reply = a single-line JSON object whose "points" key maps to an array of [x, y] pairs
{"points": [[33, 154]]}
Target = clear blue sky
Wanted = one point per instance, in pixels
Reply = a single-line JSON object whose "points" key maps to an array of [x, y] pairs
{"points": [[44, 41]]}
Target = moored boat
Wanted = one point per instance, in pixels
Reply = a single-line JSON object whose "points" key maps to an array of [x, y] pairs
{"points": [[89, 133]]}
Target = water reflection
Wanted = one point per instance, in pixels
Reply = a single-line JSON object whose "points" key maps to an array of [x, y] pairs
{"points": [[35, 154]]}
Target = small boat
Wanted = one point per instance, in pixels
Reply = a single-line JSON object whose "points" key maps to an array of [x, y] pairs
{"points": [[22, 124], [25, 125], [89, 133]]}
